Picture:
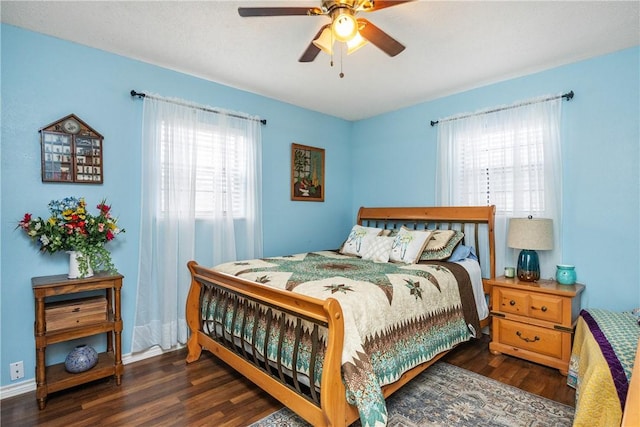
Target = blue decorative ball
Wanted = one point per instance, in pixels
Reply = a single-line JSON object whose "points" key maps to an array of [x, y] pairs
{"points": [[82, 358]]}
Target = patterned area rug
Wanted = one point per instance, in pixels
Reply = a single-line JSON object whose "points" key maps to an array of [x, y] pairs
{"points": [[445, 395]]}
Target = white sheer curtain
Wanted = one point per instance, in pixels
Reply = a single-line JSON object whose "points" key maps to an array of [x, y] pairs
{"points": [[510, 158], [200, 189]]}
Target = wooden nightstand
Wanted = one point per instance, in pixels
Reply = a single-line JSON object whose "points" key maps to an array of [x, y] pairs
{"points": [[534, 320]]}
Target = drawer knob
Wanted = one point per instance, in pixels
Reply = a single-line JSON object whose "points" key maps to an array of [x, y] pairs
{"points": [[543, 308], [512, 302], [535, 338]]}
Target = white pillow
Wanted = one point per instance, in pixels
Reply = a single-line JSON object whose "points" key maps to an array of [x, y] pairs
{"points": [[377, 249], [408, 245], [353, 244]]}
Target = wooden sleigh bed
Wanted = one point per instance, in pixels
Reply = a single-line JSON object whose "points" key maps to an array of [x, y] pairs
{"points": [[297, 331]]}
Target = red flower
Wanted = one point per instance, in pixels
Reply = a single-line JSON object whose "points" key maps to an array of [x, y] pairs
{"points": [[104, 209], [110, 235], [25, 221]]}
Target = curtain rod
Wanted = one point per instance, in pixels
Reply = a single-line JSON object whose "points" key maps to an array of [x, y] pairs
{"points": [[568, 95], [144, 95]]}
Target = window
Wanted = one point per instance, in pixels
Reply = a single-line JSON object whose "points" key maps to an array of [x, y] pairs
{"points": [[494, 162], [220, 170], [508, 157], [199, 167]]}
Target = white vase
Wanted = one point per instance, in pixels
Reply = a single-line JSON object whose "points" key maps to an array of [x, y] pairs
{"points": [[74, 266]]}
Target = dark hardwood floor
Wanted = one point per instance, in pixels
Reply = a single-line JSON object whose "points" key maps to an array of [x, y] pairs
{"points": [[165, 391]]}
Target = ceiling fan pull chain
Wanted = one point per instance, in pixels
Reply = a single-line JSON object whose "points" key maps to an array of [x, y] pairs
{"points": [[341, 60], [332, 42]]}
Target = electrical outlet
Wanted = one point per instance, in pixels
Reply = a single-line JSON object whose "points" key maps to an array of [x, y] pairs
{"points": [[17, 370]]}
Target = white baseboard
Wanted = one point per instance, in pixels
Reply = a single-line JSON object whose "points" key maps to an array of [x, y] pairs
{"points": [[29, 385], [17, 388], [152, 352]]}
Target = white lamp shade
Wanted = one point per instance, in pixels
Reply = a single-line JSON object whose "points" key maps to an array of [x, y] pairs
{"points": [[530, 233], [325, 41], [355, 43]]}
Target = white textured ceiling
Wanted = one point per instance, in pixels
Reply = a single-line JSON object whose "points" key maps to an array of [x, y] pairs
{"points": [[451, 46]]}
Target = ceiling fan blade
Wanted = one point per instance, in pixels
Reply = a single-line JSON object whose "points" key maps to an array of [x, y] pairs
{"points": [[371, 6], [279, 11], [379, 38], [312, 50]]}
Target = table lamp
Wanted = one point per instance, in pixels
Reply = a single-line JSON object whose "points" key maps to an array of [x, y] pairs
{"points": [[530, 234]]}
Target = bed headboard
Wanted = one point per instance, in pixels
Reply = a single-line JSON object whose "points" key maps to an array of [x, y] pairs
{"points": [[477, 222]]}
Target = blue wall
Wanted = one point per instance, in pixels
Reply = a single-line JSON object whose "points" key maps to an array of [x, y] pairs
{"points": [[387, 160], [44, 79], [601, 153]]}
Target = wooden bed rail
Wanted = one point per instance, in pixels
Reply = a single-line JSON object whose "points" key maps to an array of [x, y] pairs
{"points": [[318, 407], [434, 214]]}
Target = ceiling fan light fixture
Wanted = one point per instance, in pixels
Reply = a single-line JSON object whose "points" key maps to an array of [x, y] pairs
{"points": [[325, 41], [344, 25], [356, 43]]}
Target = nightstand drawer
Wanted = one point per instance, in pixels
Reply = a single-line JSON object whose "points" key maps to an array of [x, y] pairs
{"points": [[546, 307], [539, 306], [511, 301], [529, 337]]}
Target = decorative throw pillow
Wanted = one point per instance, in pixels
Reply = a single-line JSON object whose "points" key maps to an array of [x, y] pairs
{"points": [[377, 249], [445, 251], [462, 252], [439, 239], [353, 244], [408, 245]]}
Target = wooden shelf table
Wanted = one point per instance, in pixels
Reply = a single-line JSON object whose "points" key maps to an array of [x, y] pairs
{"points": [[54, 378]]}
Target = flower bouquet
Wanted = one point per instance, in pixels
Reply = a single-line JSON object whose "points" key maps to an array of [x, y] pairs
{"points": [[71, 228]]}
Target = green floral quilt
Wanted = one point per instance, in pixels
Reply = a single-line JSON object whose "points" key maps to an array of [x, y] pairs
{"points": [[396, 316]]}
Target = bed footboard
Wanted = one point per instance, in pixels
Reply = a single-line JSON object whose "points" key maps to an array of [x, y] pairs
{"points": [[240, 323]]}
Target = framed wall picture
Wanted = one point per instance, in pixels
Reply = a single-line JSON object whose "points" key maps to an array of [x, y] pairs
{"points": [[71, 152], [307, 173]]}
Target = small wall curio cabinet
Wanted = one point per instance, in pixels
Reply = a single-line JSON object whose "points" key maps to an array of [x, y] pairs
{"points": [[71, 152], [78, 317]]}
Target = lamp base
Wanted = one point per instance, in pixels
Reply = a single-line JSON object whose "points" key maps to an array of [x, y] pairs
{"points": [[528, 266]]}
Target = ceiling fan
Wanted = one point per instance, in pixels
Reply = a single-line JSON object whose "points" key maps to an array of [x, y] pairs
{"points": [[344, 26]]}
